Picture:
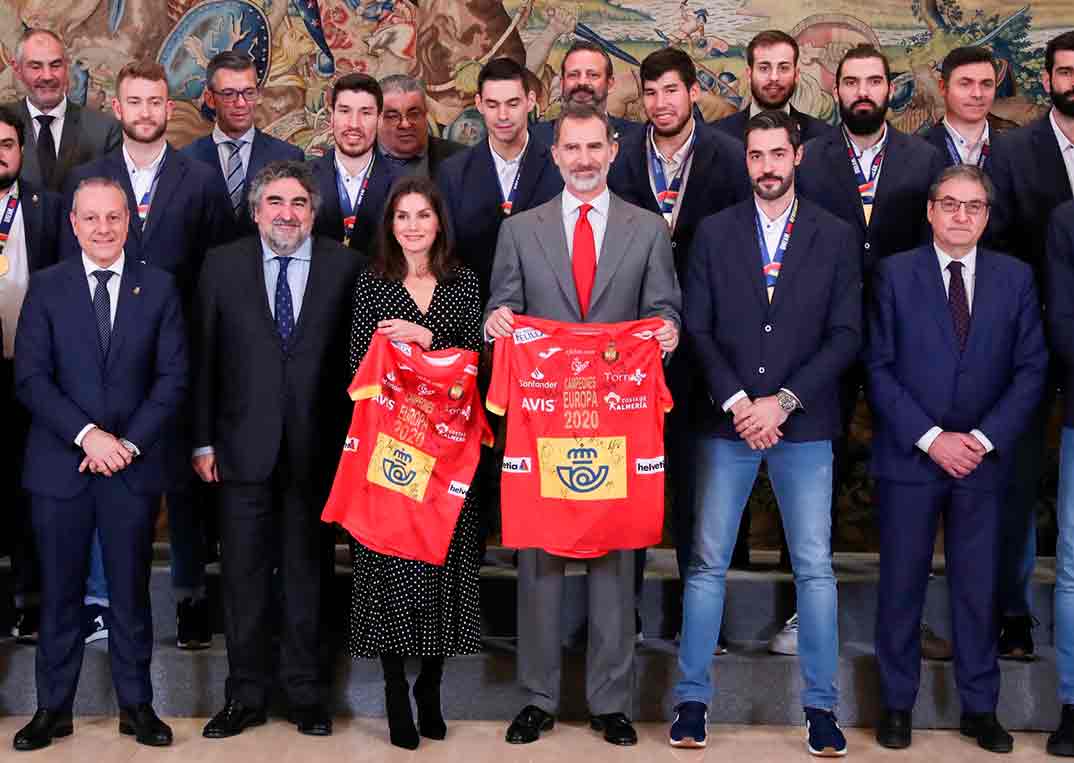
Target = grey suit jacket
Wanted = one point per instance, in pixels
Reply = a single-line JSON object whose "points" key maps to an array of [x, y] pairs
{"points": [[635, 268], [87, 135]]}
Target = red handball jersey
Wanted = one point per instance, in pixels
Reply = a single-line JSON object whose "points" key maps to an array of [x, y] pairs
{"points": [[583, 468], [412, 449]]}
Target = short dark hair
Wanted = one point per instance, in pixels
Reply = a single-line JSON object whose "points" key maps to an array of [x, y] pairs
{"points": [[1065, 41], [233, 61], [280, 170], [592, 47], [968, 54], [358, 83], [967, 172], [9, 117], [146, 69], [389, 262], [660, 62], [767, 39], [771, 119], [502, 69], [581, 112], [859, 53], [96, 181]]}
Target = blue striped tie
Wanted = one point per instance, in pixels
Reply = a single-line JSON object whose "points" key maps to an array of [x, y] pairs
{"points": [[102, 308], [285, 312], [236, 178]]}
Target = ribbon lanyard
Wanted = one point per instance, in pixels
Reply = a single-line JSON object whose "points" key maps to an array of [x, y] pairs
{"points": [[771, 263], [350, 214], [667, 196], [956, 157], [508, 204], [866, 185], [147, 197], [6, 222]]}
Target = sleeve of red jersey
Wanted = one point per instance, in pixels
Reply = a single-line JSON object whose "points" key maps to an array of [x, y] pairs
{"points": [[499, 389], [367, 379]]}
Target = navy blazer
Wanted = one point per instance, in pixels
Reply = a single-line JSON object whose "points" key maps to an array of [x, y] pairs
{"points": [[265, 149], [471, 190], [189, 215], [735, 125], [329, 222], [43, 221], [898, 221], [918, 379], [65, 382], [1059, 296], [804, 339], [718, 179], [546, 130]]}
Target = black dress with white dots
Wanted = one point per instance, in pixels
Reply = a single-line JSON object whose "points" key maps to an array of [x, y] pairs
{"points": [[402, 606]]}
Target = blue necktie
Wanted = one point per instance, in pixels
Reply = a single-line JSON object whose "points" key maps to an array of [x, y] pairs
{"points": [[285, 311], [102, 308]]}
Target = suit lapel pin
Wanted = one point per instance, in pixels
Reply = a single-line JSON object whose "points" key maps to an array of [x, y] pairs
{"points": [[136, 290], [34, 198]]}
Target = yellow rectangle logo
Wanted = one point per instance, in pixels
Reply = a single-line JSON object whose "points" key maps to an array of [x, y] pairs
{"points": [[583, 468], [397, 466]]}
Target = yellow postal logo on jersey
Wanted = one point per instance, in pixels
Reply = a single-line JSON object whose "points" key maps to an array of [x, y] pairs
{"points": [[397, 466], [583, 468]]}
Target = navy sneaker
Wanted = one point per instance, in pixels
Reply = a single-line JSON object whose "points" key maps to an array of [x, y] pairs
{"points": [[826, 739], [688, 730]]}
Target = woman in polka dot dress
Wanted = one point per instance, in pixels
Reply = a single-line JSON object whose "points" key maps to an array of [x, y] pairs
{"points": [[415, 291]]}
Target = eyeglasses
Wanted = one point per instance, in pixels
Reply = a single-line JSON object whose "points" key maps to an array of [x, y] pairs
{"points": [[950, 205], [250, 95], [414, 116]]}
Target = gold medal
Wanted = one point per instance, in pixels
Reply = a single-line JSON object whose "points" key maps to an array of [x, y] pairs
{"points": [[4, 265]]}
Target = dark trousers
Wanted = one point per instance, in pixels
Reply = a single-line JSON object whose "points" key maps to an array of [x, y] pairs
{"points": [[64, 530], [268, 527], [17, 523], [680, 439], [908, 515]]}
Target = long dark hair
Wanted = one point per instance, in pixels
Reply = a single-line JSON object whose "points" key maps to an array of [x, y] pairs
{"points": [[389, 262]]}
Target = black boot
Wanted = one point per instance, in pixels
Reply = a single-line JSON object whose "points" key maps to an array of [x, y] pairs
{"points": [[427, 697], [397, 703]]}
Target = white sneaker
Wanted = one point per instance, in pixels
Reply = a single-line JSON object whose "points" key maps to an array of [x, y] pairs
{"points": [[786, 640]]}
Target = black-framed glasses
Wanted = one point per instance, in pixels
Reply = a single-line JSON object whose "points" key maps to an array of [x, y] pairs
{"points": [[950, 205], [413, 116], [230, 95]]}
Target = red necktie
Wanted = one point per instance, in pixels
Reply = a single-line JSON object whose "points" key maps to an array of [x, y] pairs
{"points": [[584, 258]]}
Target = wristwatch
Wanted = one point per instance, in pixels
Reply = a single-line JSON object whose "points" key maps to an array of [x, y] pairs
{"points": [[787, 401], [133, 449]]}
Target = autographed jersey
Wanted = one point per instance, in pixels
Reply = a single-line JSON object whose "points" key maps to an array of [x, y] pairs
{"points": [[412, 449], [583, 467]]}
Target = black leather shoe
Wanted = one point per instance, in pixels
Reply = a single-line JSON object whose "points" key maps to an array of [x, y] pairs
{"points": [[1061, 742], [233, 719], [528, 725], [985, 728], [142, 723], [894, 729], [45, 726], [1016, 638], [616, 727], [312, 720]]}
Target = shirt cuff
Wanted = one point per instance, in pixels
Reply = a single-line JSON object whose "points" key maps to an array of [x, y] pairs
{"points": [[797, 401], [988, 446], [205, 450], [82, 434], [928, 438], [740, 395]]}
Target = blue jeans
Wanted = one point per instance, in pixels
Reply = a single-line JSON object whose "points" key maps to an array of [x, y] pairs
{"points": [[96, 582], [801, 475], [1064, 571]]}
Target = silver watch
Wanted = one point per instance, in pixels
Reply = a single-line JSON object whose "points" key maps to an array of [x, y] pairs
{"points": [[787, 401]]}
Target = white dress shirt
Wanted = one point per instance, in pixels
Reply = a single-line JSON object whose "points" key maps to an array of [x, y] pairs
{"points": [[865, 158], [223, 150], [598, 218], [142, 179], [507, 169], [113, 301], [353, 183], [671, 167], [60, 113], [969, 274], [14, 283], [1066, 148], [968, 153]]}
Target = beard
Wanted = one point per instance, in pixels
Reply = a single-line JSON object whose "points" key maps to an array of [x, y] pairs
{"points": [[864, 122], [1063, 102], [763, 100], [774, 193], [353, 154], [676, 128], [130, 132], [7, 179], [287, 241], [597, 99], [576, 181]]}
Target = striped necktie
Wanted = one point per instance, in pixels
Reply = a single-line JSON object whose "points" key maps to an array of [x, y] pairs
{"points": [[236, 177], [102, 308]]}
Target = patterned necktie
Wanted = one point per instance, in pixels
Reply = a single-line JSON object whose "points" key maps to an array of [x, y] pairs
{"points": [[236, 177], [102, 308], [46, 148], [584, 258], [285, 311], [959, 304]]}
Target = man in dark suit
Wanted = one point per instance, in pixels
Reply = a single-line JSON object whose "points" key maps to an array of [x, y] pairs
{"points": [[30, 221], [74, 134], [101, 364], [404, 129], [773, 72], [586, 75], [504, 175], [556, 261], [270, 407], [1033, 169], [178, 210], [236, 148], [773, 318], [354, 177], [956, 364], [968, 86]]}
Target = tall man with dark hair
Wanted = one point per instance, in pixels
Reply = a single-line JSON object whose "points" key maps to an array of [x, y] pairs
{"points": [[404, 129], [968, 85], [236, 147], [773, 71]]}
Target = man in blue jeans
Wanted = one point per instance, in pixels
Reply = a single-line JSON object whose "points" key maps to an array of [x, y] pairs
{"points": [[772, 344]]}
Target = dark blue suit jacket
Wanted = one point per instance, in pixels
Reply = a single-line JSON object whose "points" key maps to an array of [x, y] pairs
{"points": [[65, 381], [918, 379], [265, 149], [718, 179], [43, 221], [804, 339], [735, 125], [329, 222], [472, 193], [1059, 296], [898, 221], [546, 131]]}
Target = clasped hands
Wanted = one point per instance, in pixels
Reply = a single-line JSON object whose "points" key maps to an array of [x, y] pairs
{"points": [[957, 453], [105, 454], [758, 421]]}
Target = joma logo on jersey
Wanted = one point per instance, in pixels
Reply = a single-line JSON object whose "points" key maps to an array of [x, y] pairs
{"points": [[538, 405], [350, 445], [527, 335], [546, 354], [582, 468], [399, 466], [517, 465]]}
